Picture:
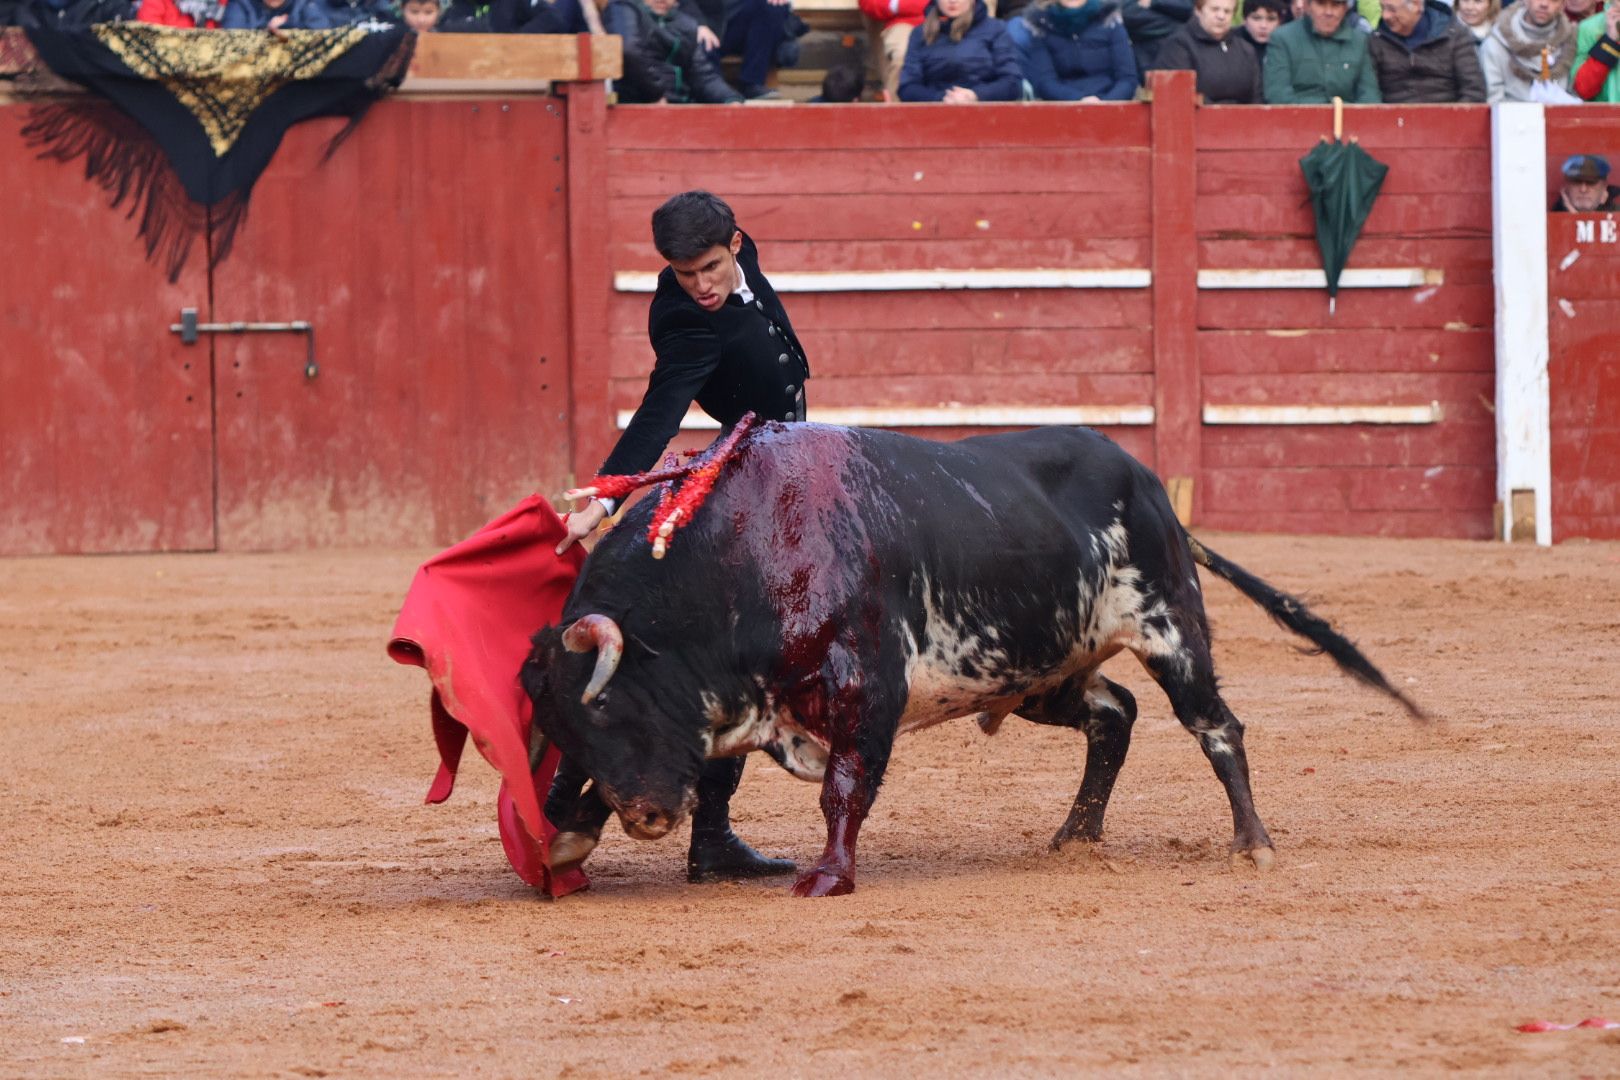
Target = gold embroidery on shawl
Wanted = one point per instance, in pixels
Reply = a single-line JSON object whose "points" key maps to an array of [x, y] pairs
{"points": [[221, 76]]}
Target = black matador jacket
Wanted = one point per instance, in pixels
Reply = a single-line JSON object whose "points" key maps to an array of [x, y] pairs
{"points": [[742, 358]]}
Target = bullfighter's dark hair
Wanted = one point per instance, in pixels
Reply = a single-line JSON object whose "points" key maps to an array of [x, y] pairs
{"points": [[691, 223]]}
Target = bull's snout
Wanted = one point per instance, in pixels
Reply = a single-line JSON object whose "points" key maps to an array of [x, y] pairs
{"points": [[645, 820]]}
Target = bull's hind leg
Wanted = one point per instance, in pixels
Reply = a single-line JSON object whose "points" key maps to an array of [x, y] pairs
{"points": [[1188, 678], [1104, 711]]}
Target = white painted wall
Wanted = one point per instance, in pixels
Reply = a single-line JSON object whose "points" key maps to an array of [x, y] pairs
{"points": [[1519, 252]]}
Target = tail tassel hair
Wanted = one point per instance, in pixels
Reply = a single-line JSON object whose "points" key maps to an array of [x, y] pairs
{"points": [[1291, 614]]}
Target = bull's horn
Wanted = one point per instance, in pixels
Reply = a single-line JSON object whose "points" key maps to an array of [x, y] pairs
{"points": [[602, 634]]}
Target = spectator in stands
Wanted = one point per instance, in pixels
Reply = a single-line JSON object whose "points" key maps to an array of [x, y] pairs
{"points": [[1423, 53], [1075, 50], [1228, 69], [895, 19], [1478, 16], [1586, 186], [756, 30], [1149, 23], [372, 14], [960, 54], [1597, 50], [664, 60], [1260, 19], [1512, 54], [1579, 9], [185, 14], [841, 84], [276, 15], [1320, 57]]}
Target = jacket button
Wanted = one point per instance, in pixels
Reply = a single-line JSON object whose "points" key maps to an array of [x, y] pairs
{"points": [[790, 390], [771, 329], [761, 304], [790, 415], [782, 359]]}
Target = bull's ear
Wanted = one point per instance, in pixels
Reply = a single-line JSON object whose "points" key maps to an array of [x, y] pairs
{"points": [[535, 675]]}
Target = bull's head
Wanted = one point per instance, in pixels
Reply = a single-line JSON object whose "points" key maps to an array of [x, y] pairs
{"points": [[618, 726]]}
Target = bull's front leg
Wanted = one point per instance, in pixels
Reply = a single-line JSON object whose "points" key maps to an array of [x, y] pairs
{"points": [[847, 793], [578, 816], [862, 719]]}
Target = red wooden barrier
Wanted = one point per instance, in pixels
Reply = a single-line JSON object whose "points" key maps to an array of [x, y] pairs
{"points": [[1583, 253]]}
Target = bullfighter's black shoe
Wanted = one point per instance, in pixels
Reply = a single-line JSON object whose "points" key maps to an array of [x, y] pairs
{"points": [[717, 853]]}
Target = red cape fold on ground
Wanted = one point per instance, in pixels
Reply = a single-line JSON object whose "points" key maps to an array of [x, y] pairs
{"points": [[467, 620]]}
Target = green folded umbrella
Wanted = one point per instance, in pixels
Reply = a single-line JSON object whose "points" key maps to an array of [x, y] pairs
{"points": [[1344, 180]]}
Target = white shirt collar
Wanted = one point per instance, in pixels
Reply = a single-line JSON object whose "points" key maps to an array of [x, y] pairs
{"points": [[743, 291]]}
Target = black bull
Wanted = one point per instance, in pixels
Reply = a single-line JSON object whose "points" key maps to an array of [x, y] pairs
{"points": [[841, 587]]}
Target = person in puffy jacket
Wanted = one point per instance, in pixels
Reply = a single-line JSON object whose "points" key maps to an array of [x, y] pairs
{"points": [[663, 59], [1150, 24], [1424, 53], [960, 54], [895, 20], [185, 14], [276, 15], [1075, 50], [1319, 57], [1227, 67]]}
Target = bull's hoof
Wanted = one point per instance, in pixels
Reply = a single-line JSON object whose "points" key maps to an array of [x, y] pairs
{"points": [[569, 849], [819, 882], [1065, 836], [1261, 858]]}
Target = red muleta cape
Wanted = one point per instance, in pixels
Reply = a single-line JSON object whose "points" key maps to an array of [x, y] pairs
{"points": [[467, 619]]}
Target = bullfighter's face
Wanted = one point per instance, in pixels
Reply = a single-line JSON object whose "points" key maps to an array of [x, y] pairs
{"points": [[644, 761], [711, 277]]}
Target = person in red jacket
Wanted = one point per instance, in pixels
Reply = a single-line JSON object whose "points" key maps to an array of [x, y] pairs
{"points": [[896, 18], [186, 14]]}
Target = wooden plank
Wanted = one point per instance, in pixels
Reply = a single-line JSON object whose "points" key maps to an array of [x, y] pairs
{"points": [[895, 217], [1008, 352], [1587, 271], [1251, 352], [1449, 524], [1006, 172], [1445, 306], [1463, 261], [1055, 125], [1463, 395], [930, 280], [1039, 309], [1388, 489], [940, 391], [955, 416], [1459, 172], [590, 274], [1177, 393], [496, 62], [1312, 415], [1378, 127], [1441, 214], [786, 253], [1450, 443], [1299, 277]]}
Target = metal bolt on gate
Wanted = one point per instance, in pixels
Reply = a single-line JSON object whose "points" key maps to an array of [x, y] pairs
{"points": [[190, 329]]}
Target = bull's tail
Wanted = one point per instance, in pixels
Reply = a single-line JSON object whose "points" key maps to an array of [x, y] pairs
{"points": [[1290, 613]]}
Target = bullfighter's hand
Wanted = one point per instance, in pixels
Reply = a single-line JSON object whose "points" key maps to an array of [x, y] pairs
{"points": [[582, 524]]}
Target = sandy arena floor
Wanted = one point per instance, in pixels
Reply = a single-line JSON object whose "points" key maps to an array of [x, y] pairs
{"points": [[218, 861]]}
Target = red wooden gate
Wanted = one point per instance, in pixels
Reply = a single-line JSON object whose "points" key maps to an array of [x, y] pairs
{"points": [[106, 422]]}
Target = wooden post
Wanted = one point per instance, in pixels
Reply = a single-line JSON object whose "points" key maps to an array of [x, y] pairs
{"points": [[590, 279], [1177, 384]]}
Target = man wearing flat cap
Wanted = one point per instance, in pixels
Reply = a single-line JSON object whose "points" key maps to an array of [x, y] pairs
{"points": [[1586, 186]]}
